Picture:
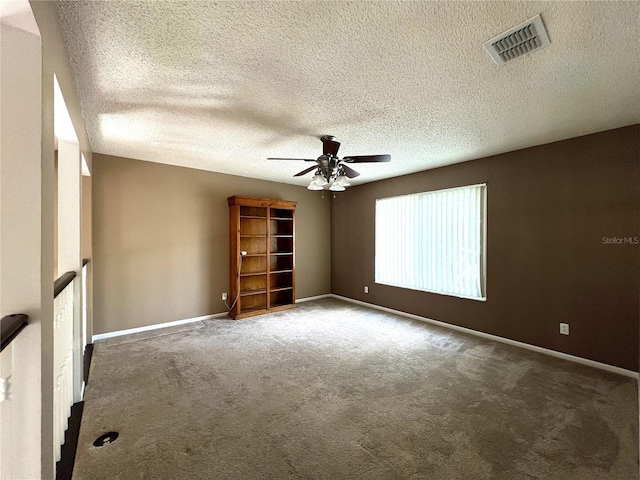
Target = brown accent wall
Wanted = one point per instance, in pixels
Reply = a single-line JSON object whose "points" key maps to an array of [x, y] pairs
{"points": [[548, 209], [161, 240]]}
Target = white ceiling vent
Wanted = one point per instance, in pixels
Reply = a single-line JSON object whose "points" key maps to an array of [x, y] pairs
{"points": [[525, 38]]}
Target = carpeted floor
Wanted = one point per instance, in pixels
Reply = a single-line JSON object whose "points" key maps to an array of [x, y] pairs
{"points": [[331, 390]]}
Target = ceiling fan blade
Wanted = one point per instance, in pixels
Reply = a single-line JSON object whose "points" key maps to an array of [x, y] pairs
{"points": [[305, 171], [330, 145], [348, 171], [297, 159], [367, 158]]}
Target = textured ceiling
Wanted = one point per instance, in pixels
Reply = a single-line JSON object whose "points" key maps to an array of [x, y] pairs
{"points": [[222, 86]]}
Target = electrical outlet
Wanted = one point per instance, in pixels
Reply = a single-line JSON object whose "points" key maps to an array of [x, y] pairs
{"points": [[366, 289], [564, 328], [224, 296]]}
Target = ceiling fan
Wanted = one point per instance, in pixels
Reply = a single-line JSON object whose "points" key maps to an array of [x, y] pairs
{"points": [[332, 170]]}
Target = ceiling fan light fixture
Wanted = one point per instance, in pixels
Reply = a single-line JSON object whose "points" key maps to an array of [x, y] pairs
{"points": [[335, 187], [313, 186], [342, 180], [319, 180]]}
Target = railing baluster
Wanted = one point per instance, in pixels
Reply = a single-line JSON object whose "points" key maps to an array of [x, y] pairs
{"points": [[63, 356]]}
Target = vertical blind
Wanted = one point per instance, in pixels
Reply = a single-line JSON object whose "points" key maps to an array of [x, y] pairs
{"points": [[433, 241]]}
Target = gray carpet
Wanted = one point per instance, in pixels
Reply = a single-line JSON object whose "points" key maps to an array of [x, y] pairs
{"points": [[331, 390]]}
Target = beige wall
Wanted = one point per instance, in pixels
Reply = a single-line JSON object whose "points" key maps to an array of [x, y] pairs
{"points": [[85, 236], [548, 208], [161, 247]]}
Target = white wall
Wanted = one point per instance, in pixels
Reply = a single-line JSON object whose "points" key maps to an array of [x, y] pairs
{"points": [[20, 244], [54, 62], [69, 231], [69, 185]]}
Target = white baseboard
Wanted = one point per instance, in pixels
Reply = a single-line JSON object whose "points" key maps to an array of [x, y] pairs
{"points": [[317, 297], [515, 343], [129, 331]]}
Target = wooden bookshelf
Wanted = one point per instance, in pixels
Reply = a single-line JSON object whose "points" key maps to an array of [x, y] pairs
{"points": [[263, 280]]}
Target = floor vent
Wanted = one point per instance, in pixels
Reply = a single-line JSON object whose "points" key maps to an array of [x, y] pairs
{"points": [[106, 439], [521, 40]]}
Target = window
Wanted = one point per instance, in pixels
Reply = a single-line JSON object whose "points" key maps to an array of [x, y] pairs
{"points": [[433, 241]]}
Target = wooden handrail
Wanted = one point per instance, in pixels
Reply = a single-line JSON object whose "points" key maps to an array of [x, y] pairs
{"points": [[11, 326], [61, 283]]}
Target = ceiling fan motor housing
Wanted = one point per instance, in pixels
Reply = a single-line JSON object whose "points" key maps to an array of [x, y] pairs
{"points": [[328, 166]]}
